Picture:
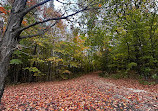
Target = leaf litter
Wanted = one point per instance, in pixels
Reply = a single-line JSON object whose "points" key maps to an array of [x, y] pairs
{"points": [[89, 93]]}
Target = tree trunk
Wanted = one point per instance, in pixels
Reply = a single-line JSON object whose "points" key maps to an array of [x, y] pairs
{"points": [[10, 39], [3, 73], [49, 71], [16, 75], [1, 30]]}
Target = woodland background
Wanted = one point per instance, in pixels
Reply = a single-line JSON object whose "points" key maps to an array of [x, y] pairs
{"points": [[119, 37]]}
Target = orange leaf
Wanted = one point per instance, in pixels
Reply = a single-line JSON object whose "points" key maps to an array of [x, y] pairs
{"points": [[2, 10], [24, 22], [99, 5]]}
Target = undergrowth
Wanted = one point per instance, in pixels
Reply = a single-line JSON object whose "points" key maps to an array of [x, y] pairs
{"points": [[127, 75]]}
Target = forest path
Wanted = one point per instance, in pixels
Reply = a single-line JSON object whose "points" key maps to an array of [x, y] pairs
{"points": [[89, 93]]}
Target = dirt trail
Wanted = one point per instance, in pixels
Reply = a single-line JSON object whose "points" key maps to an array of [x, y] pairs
{"points": [[86, 93]]}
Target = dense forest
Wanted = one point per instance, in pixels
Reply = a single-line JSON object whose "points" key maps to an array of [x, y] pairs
{"points": [[58, 42], [117, 36]]}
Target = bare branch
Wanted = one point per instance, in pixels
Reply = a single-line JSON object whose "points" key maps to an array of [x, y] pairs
{"points": [[61, 2], [40, 33], [68, 3], [35, 35], [58, 18], [37, 5]]}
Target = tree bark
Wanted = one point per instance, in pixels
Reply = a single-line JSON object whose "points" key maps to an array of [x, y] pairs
{"points": [[3, 71], [1, 30]]}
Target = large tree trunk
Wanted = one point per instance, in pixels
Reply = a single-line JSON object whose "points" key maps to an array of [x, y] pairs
{"points": [[3, 73], [10, 39]]}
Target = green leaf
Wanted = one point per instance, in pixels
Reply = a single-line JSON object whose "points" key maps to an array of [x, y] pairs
{"points": [[16, 61], [17, 52], [130, 65], [33, 69], [155, 76]]}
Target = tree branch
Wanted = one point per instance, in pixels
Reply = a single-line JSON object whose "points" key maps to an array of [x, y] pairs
{"points": [[61, 2], [35, 35], [58, 18], [31, 8], [38, 34]]}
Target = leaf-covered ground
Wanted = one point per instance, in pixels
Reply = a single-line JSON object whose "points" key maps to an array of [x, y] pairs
{"points": [[88, 93]]}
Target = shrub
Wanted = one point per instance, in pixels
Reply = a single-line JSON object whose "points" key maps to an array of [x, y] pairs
{"points": [[103, 74]]}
